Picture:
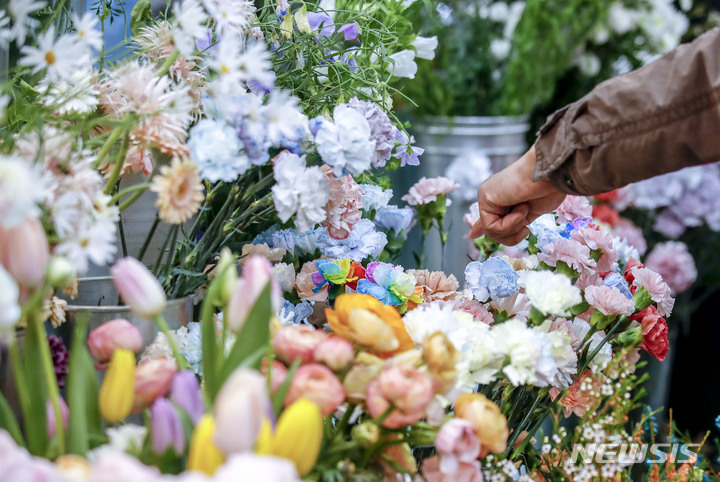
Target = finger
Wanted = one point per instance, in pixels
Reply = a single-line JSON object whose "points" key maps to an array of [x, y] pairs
{"points": [[515, 238], [507, 224], [477, 230]]}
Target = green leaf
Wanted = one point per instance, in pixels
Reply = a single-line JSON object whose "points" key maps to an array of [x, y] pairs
{"points": [[140, 15], [82, 393], [254, 336], [36, 423], [9, 423], [278, 398]]}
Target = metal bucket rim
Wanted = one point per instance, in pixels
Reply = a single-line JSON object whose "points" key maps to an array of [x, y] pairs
{"points": [[110, 308], [476, 119]]}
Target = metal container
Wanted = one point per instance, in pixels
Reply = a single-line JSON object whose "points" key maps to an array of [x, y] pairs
{"points": [[98, 298], [445, 139]]}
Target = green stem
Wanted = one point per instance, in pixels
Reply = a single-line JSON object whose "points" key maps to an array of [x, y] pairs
{"points": [[20, 380], [145, 245], [137, 187], [109, 143], [119, 163], [51, 380], [182, 363], [345, 420], [165, 67]]}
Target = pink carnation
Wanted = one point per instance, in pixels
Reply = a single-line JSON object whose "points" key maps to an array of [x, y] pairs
{"points": [[466, 472], [632, 235], [572, 253], [573, 207], [597, 239], [343, 207], [609, 300], [426, 190], [675, 264], [658, 289], [588, 278], [436, 285], [473, 216], [473, 307], [562, 324]]}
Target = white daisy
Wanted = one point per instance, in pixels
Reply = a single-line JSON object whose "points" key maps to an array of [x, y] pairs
{"points": [[86, 28], [19, 11], [232, 16], [188, 25], [21, 189], [95, 243], [75, 94], [60, 57]]}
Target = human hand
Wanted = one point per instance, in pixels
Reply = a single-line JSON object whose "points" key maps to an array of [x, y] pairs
{"points": [[510, 200]]}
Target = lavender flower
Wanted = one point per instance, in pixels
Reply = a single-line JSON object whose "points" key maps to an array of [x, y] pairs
{"points": [[382, 132], [363, 241], [408, 154], [350, 31], [321, 21]]}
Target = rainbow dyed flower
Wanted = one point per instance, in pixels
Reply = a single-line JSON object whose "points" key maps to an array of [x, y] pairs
{"points": [[338, 273], [391, 285]]}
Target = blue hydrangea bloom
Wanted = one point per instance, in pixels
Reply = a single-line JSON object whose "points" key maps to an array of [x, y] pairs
{"points": [[395, 219], [616, 280], [494, 278], [363, 241]]}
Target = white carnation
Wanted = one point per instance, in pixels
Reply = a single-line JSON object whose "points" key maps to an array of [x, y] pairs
{"points": [[551, 293], [528, 352], [285, 275], [300, 190]]}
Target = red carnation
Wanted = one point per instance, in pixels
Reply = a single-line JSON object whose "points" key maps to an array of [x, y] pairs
{"points": [[654, 331], [632, 263], [606, 214]]}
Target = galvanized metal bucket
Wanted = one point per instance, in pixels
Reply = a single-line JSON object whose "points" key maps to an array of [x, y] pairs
{"points": [[446, 139]]}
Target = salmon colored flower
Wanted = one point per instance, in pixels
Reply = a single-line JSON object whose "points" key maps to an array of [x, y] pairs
{"points": [[489, 423], [153, 379], [111, 335], [406, 389], [24, 252], [179, 190], [297, 342], [318, 384], [306, 286], [334, 352], [364, 320], [577, 398]]}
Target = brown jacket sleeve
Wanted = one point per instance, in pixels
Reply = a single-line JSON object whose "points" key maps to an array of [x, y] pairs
{"points": [[659, 118]]}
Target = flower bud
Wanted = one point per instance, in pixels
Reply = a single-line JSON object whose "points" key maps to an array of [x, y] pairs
{"points": [[24, 252], [116, 392], [257, 272], [367, 367], [366, 433], [278, 373], [204, 455], [297, 342], [50, 410], [319, 385], [226, 268], [60, 272], [138, 287], [489, 423], [241, 403], [442, 358], [631, 338], [166, 429], [9, 293], [153, 379], [334, 352], [185, 392], [108, 337]]}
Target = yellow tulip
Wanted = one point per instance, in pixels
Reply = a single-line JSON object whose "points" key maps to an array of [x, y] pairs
{"points": [[363, 319], [204, 455], [118, 387], [298, 436]]}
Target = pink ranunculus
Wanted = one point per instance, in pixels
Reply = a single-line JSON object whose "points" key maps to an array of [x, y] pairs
{"points": [[573, 207], [111, 335], [153, 379], [334, 352], [427, 190], [257, 272], [654, 331], [343, 207], [239, 409], [138, 287], [626, 229], [278, 373], [24, 252], [571, 252], [674, 263], [598, 239], [305, 285], [297, 342], [466, 472], [319, 385], [609, 300], [658, 289], [457, 443], [406, 389]]}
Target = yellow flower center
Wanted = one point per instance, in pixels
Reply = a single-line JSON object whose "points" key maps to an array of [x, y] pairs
{"points": [[50, 57], [224, 69]]}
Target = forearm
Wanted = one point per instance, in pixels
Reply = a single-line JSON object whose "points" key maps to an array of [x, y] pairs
{"points": [[657, 119]]}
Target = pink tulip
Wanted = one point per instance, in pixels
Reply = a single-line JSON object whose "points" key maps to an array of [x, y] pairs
{"points": [[138, 287], [109, 336], [405, 388], [24, 252], [457, 443], [278, 373], [51, 423], [334, 352], [466, 472], [257, 272], [153, 379], [240, 407], [297, 342], [318, 384]]}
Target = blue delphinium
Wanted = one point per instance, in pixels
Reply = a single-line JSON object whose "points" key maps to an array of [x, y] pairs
{"points": [[494, 278]]}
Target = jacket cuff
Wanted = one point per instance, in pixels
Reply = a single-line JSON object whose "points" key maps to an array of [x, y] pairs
{"points": [[554, 144]]}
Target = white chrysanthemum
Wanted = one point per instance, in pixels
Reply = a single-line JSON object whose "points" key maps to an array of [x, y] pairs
{"points": [[60, 58], [528, 352], [551, 293], [188, 25], [21, 189], [93, 242], [299, 190], [9, 307]]}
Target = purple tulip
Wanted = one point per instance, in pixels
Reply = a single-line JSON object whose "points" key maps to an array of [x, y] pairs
{"points": [[350, 31], [166, 429], [185, 392], [50, 411]]}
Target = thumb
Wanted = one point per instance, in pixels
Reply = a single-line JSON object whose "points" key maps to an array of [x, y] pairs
{"points": [[477, 230]]}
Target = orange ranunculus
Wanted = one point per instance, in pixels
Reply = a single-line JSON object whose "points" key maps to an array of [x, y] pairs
{"points": [[364, 320]]}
